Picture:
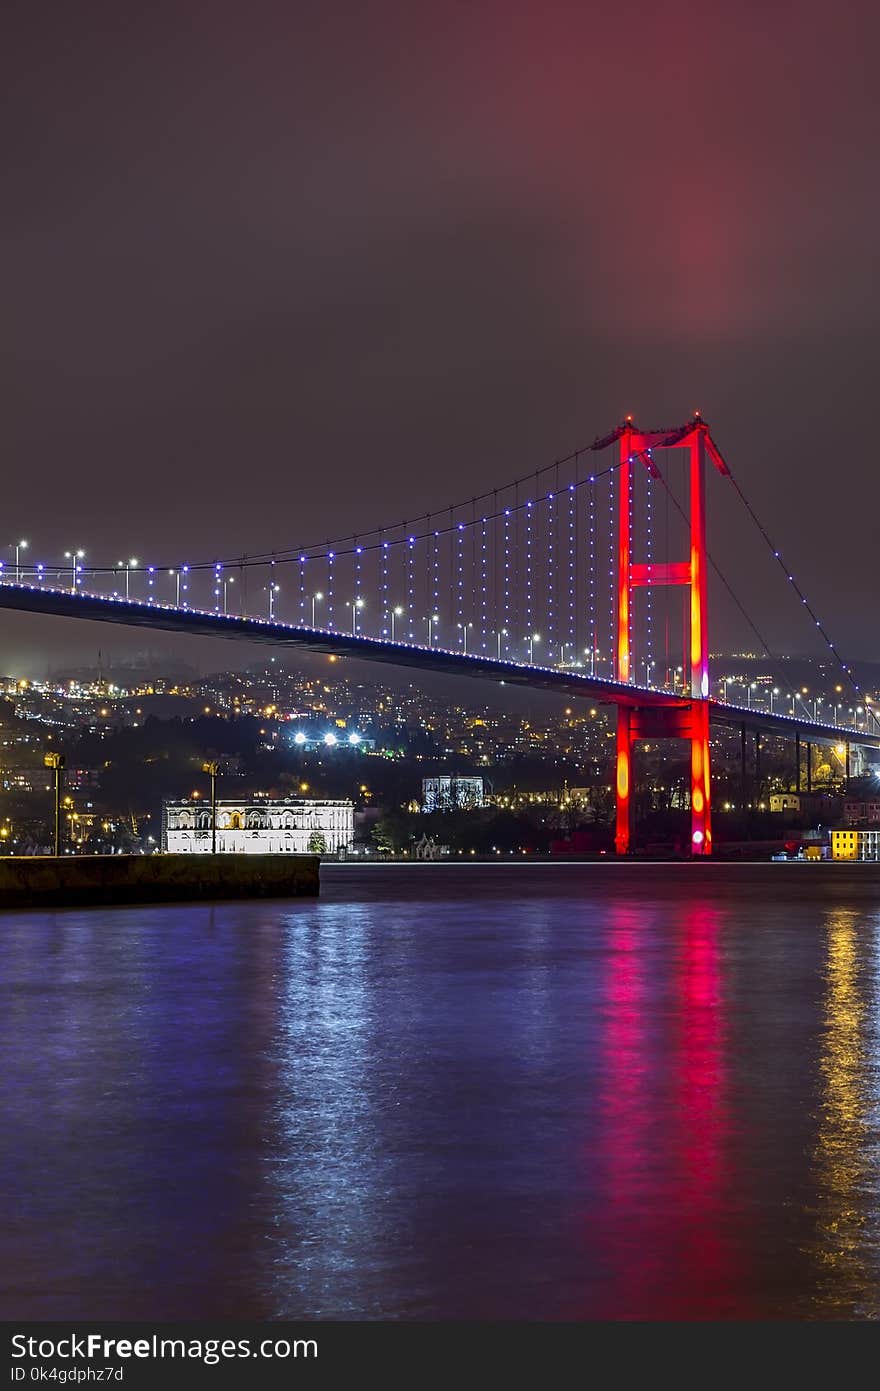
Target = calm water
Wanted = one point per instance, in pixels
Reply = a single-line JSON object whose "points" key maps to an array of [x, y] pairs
{"points": [[561, 1092]]}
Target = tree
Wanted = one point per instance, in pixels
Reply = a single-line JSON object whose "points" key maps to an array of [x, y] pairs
{"points": [[393, 832], [317, 843]]}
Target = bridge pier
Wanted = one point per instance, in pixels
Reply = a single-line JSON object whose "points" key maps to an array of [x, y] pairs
{"points": [[701, 813], [623, 832], [689, 722]]}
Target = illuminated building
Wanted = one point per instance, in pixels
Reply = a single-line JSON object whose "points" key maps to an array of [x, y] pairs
{"points": [[855, 845], [448, 793], [292, 825]]}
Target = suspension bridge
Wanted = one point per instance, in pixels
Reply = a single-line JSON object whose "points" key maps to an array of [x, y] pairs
{"points": [[588, 577]]}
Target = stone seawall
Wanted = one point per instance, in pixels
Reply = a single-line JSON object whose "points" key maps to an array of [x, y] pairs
{"points": [[34, 881]]}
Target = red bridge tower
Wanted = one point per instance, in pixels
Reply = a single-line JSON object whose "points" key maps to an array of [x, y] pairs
{"points": [[690, 721]]}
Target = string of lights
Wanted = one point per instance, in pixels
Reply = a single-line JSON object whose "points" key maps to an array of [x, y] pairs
{"points": [[330, 619], [612, 587], [551, 573], [649, 590], [591, 578], [805, 603]]}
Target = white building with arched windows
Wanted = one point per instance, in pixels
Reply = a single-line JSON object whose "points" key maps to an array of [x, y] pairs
{"points": [[293, 826]]}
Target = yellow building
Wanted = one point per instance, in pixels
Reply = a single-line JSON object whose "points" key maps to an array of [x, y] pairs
{"points": [[855, 845]]}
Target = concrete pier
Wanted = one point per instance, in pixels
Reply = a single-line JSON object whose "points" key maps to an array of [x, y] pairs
{"points": [[36, 881]]}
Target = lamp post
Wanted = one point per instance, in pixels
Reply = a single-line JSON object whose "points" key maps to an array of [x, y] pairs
{"points": [[316, 598], [129, 565], [464, 632], [213, 768], [273, 590], [535, 637], [774, 691], [502, 633], [355, 605], [231, 580], [19, 547], [55, 761], [396, 612], [73, 557], [434, 618]]}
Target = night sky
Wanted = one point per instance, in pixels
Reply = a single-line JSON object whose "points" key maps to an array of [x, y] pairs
{"points": [[274, 272]]}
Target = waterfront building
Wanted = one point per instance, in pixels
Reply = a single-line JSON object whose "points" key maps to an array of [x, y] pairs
{"points": [[799, 803], [292, 825], [862, 813], [451, 794], [855, 844]]}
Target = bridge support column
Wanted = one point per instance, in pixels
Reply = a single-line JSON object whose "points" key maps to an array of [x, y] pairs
{"points": [[701, 807], [624, 780]]}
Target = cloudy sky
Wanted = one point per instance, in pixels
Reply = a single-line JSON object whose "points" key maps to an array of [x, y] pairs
{"points": [[271, 271]]}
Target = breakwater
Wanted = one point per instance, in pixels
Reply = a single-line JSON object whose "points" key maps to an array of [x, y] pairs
{"points": [[36, 881]]}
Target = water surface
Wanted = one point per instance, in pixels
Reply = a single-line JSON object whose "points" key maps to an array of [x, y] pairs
{"points": [[530, 1092]]}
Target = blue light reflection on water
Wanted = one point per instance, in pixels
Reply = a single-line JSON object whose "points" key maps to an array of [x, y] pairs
{"points": [[524, 1093]]}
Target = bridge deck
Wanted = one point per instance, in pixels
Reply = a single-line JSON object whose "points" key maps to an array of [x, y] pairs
{"points": [[133, 613]]}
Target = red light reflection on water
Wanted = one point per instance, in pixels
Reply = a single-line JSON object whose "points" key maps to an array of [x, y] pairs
{"points": [[661, 1215]]}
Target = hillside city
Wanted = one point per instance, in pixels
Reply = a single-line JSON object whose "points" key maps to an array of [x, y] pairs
{"points": [[529, 776]]}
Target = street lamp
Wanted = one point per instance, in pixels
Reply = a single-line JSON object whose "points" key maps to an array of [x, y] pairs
{"points": [[396, 612], [231, 580], [129, 566], [774, 691], [434, 618], [502, 633], [535, 637], [73, 557], [354, 605], [19, 547], [273, 590], [315, 599], [55, 761], [464, 632], [213, 768]]}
